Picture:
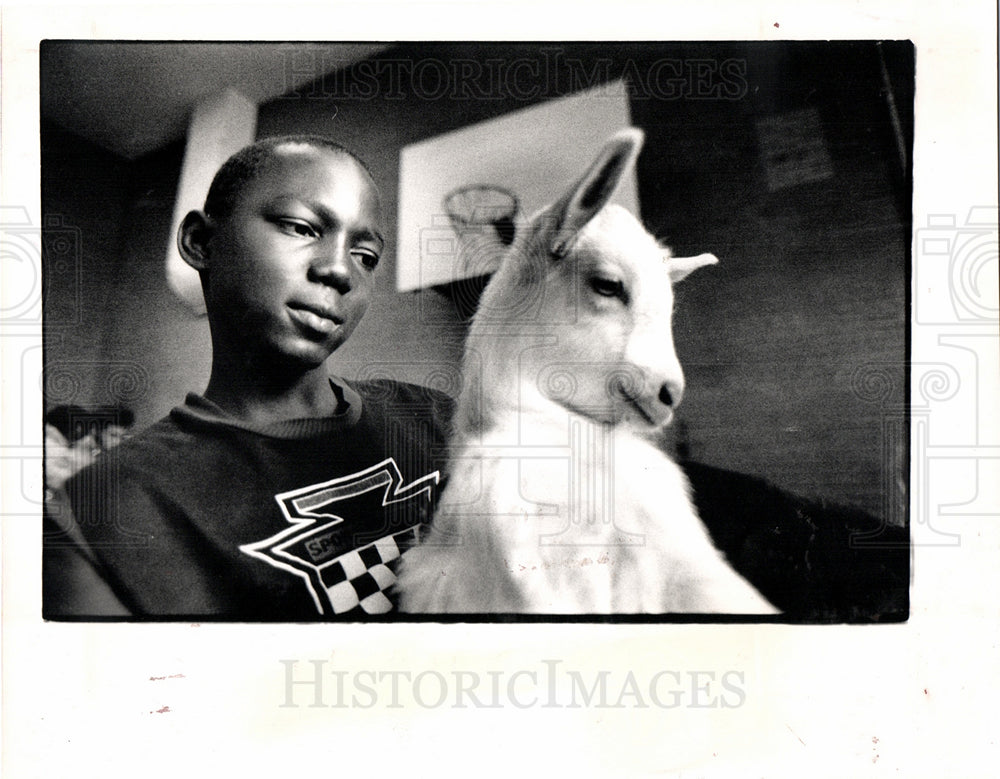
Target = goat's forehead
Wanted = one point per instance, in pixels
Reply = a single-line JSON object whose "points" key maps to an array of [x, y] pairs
{"points": [[614, 218], [615, 235]]}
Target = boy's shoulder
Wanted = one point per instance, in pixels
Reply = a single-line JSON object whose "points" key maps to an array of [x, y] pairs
{"points": [[154, 450], [393, 394]]}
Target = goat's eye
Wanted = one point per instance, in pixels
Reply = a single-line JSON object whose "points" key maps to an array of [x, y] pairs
{"points": [[609, 288]]}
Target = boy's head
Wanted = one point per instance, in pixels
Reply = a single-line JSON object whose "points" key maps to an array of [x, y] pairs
{"points": [[246, 164], [286, 246]]}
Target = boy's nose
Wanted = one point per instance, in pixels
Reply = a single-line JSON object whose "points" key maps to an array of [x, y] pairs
{"points": [[332, 266]]}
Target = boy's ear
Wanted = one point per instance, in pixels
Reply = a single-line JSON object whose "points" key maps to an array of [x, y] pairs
{"points": [[193, 238]]}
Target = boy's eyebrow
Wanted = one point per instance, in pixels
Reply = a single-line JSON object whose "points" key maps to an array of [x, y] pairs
{"points": [[372, 235], [329, 216]]}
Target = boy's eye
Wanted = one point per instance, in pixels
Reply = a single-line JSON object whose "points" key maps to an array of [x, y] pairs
{"points": [[298, 227], [608, 288], [368, 258]]}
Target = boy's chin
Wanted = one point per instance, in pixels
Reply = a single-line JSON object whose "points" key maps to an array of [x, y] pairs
{"points": [[315, 360], [300, 357]]}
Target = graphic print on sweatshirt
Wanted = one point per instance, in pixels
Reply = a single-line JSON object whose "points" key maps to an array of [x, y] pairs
{"points": [[345, 532]]}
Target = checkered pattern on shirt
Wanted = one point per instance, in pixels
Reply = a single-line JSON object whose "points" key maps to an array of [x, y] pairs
{"points": [[360, 578]]}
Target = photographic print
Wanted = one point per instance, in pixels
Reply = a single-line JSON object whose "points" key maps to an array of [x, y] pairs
{"points": [[578, 482], [499, 389]]}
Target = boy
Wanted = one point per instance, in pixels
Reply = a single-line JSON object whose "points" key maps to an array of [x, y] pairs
{"points": [[281, 493]]}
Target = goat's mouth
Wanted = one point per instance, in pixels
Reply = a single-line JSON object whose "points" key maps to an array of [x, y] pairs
{"points": [[654, 423], [633, 403]]}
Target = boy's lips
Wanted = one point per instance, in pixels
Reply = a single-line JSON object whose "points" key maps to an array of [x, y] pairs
{"points": [[318, 318]]}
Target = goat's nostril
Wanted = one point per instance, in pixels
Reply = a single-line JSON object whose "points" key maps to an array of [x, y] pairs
{"points": [[665, 397]]}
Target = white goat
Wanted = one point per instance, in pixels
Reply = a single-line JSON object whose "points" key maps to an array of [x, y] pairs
{"points": [[557, 501]]}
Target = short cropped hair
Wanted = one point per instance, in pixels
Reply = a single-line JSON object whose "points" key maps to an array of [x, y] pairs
{"points": [[245, 165]]}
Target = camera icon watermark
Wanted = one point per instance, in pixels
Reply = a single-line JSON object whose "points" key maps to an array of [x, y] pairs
{"points": [[42, 270], [20, 320], [956, 269], [20, 250], [459, 268], [62, 260]]}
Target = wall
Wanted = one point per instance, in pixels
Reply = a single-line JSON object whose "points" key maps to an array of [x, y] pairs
{"points": [[84, 199], [780, 341], [127, 339], [148, 325], [809, 301]]}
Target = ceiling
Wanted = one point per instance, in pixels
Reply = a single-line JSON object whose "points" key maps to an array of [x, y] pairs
{"points": [[132, 98]]}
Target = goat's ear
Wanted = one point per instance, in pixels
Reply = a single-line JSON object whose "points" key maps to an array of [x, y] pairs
{"points": [[680, 267], [592, 192]]}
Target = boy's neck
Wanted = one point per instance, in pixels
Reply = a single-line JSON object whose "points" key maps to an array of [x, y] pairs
{"points": [[265, 398]]}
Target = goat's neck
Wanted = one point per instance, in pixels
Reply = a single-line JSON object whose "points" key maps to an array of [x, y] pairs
{"points": [[496, 402]]}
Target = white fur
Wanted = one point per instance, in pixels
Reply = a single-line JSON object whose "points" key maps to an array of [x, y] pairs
{"points": [[557, 501]]}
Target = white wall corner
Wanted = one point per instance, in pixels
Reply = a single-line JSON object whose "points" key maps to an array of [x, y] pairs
{"points": [[220, 124]]}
